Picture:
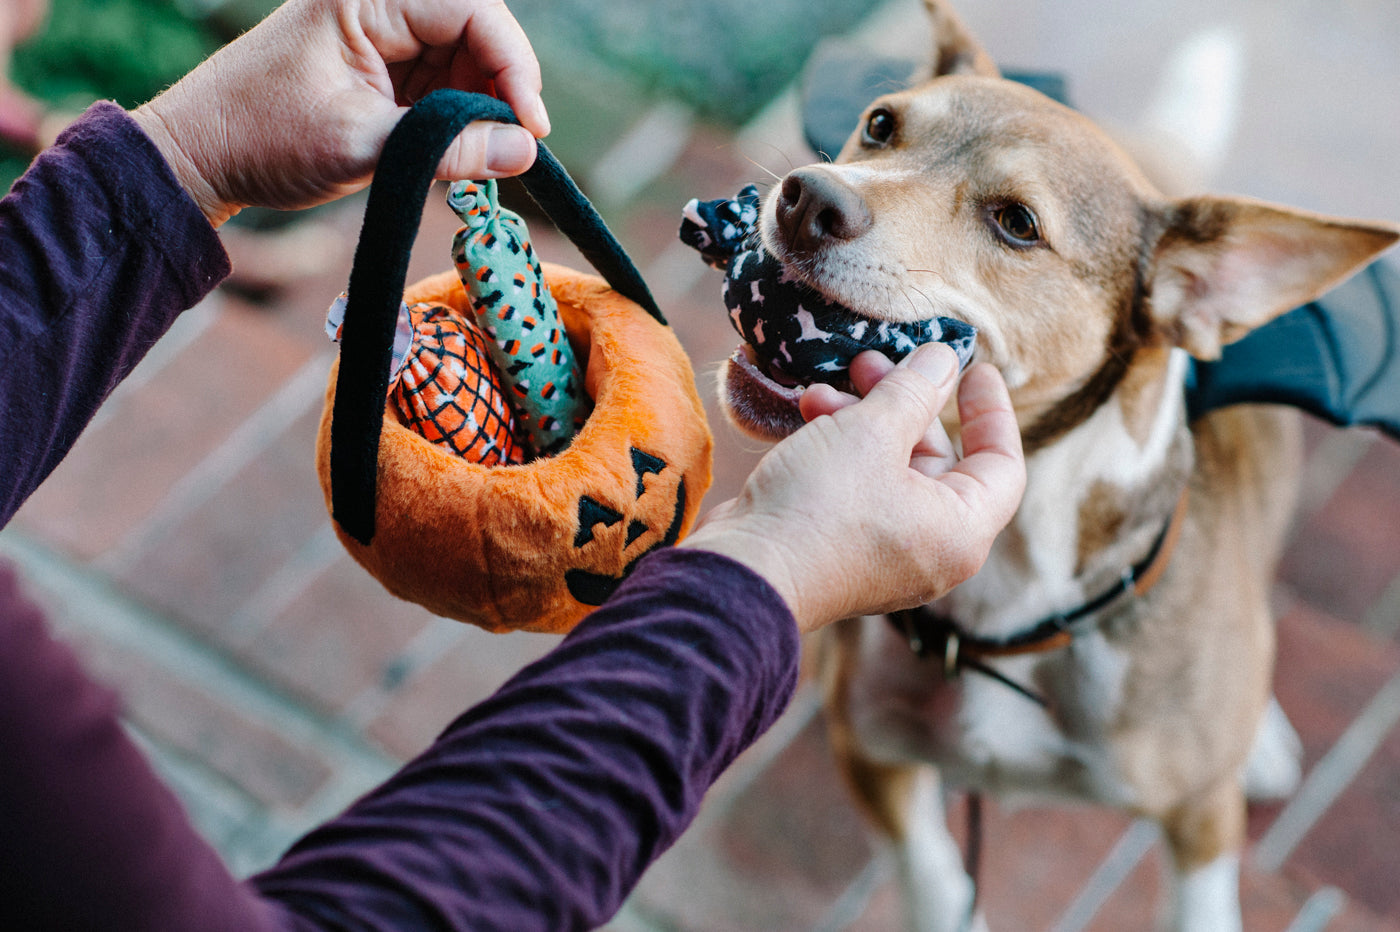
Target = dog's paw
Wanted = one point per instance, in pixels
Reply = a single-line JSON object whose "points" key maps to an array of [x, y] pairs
{"points": [[1275, 766]]}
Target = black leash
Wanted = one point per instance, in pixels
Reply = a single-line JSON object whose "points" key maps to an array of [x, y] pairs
{"points": [[972, 854]]}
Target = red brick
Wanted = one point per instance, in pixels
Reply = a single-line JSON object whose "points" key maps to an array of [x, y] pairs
{"points": [[336, 638], [1326, 672], [117, 473], [1346, 554], [202, 726], [777, 859], [1353, 846], [216, 557], [471, 671]]}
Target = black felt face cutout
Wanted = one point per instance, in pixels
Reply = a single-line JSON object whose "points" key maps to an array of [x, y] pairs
{"points": [[650, 508]]}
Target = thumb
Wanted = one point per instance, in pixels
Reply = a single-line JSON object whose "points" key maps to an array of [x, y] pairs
{"points": [[905, 402], [488, 150], [484, 149]]}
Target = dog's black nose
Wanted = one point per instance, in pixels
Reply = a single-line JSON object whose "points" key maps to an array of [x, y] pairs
{"points": [[814, 205]]}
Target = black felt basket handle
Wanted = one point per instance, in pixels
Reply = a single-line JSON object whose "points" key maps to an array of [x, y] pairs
{"points": [[392, 216]]}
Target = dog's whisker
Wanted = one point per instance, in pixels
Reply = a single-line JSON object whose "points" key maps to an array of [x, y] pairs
{"points": [[763, 168], [913, 308], [926, 298], [785, 157]]}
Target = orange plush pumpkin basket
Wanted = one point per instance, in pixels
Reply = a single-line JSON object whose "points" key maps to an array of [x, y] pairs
{"points": [[534, 546]]}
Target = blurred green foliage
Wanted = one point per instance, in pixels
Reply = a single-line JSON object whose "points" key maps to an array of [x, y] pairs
{"points": [[122, 50], [726, 59], [604, 59]]}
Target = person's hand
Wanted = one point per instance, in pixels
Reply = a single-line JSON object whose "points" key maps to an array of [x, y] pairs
{"points": [[294, 112], [867, 508]]}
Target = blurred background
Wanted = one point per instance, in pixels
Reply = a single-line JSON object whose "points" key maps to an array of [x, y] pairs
{"points": [[185, 548]]}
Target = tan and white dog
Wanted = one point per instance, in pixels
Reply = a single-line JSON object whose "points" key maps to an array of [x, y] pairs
{"points": [[1130, 594]]}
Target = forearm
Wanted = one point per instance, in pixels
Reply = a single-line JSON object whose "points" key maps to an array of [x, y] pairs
{"points": [[92, 839], [541, 807], [102, 249]]}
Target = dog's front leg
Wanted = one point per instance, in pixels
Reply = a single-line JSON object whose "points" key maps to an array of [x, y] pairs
{"points": [[903, 801], [1207, 898], [937, 892], [1205, 836]]}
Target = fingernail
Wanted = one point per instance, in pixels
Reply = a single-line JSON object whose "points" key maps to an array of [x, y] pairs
{"points": [[509, 149], [933, 361], [540, 114]]}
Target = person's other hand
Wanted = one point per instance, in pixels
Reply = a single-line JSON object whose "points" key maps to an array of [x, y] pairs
{"points": [[295, 112], [867, 508]]}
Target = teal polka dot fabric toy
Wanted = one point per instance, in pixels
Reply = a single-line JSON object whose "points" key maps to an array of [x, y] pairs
{"points": [[514, 308]]}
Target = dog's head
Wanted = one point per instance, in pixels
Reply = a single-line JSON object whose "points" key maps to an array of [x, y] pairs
{"points": [[973, 197]]}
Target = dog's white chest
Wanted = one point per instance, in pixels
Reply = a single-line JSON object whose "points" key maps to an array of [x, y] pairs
{"points": [[984, 734]]}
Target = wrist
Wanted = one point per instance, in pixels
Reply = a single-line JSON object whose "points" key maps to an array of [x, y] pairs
{"points": [[762, 557], [185, 169]]}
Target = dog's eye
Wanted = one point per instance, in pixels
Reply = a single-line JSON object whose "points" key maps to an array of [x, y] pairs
{"points": [[879, 128], [1017, 224]]}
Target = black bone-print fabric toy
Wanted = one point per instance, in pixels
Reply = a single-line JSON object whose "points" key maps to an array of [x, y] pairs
{"points": [[795, 333]]}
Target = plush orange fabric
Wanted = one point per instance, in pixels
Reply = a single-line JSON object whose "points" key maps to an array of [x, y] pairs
{"points": [[536, 546]]}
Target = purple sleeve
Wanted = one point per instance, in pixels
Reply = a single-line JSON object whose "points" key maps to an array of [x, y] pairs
{"points": [[100, 250], [538, 809], [91, 838], [541, 807]]}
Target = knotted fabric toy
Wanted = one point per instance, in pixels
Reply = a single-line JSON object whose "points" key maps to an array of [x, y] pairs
{"points": [[514, 308], [797, 335]]}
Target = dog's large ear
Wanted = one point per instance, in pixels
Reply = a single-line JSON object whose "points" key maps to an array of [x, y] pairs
{"points": [[955, 50], [1224, 266]]}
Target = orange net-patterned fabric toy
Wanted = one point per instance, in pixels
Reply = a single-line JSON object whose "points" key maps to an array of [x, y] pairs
{"points": [[450, 393]]}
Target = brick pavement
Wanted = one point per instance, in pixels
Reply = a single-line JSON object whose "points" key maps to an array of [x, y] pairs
{"points": [[184, 547]]}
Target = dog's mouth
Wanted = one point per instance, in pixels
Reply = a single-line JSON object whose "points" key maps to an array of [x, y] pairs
{"points": [[794, 337], [757, 402]]}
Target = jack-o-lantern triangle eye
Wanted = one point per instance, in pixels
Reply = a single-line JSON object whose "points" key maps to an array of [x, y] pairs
{"points": [[591, 514], [643, 463]]}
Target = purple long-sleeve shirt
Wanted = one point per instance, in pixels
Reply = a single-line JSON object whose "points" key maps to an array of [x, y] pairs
{"points": [[538, 809]]}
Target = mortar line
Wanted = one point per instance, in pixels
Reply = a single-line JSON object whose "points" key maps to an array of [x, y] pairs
{"points": [[435, 639], [643, 153], [297, 395], [80, 601], [275, 594], [1382, 619], [1327, 467], [187, 328], [1329, 778], [1318, 912], [1132, 846], [853, 901]]}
